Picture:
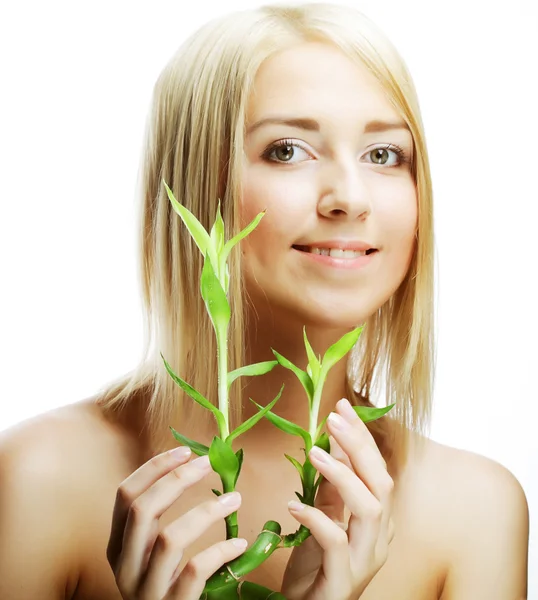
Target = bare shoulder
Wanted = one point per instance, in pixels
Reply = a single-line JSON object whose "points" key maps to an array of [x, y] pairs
{"points": [[483, 519], [50, 466]]}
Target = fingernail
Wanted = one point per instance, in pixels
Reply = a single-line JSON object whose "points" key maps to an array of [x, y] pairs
{"points": [[338, 422], [230, 499], [319, 454], [296, 506], [180, 452], [346, 409], [240, 542], [202, 462]]}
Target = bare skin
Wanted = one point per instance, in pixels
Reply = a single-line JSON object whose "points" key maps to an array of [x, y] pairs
{"points": [[109, 504], [415, 567]]}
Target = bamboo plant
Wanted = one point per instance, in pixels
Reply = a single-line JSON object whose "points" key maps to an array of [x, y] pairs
{"points": [[227, 583]]}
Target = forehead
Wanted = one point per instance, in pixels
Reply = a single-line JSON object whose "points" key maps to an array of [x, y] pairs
{"points": [[317, 80]]}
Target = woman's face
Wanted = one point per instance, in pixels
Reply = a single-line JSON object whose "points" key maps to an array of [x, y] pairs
{"points": [[330, 176]]}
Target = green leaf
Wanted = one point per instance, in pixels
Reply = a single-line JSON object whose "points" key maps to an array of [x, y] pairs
{"points": [[254, 419], [196, 229], [299, 496], [194, 394], [286, 426], [214, 296], [196, 447], [242, 234], [296, 464], [302, 376], [324, 443], [217, 232], [369, 413], [313, 362], [309, 475], [320, 427], [216, 492], [224, 462], [340, 348], [250, 370], [239, 455], [318, 481]]}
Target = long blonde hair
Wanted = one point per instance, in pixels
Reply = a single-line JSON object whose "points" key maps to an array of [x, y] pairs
{"points": [[194, 141]]}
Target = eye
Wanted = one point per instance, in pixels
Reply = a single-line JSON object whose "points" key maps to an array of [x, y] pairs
{"points": [[379, 155], [283, 151]]}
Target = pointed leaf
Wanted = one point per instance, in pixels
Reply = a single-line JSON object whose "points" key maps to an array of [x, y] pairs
{"points": [[296, 464], [318, 481], [299, 496], [302, 376], [217, 232], [286, 426], [254, 419], [250, 370], [242, 234], [194, 394], [196, 229], [313, 363], [216, 492], [214, 296], [196, 447], [320, 427], [239, 455], [309, 473], [340, 348], [369, 413], [224, 462], [324, 443]]}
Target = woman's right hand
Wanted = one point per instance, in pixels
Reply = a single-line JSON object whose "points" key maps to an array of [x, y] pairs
{"points": [[145, 562]]}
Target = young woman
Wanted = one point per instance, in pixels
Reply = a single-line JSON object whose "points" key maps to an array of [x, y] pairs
{"points": [[308, 112]]}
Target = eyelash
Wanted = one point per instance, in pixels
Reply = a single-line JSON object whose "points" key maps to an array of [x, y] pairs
{"points": [[400, 152]]}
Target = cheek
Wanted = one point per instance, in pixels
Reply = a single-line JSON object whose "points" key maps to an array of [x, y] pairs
{"points": [[398, 215], [288, 203]]}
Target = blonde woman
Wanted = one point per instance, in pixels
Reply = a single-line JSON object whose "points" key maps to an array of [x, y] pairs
{"points": [[308, 112]]}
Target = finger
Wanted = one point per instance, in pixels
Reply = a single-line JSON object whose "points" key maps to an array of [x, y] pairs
{"points": [[329, 501], [366, 461], [345, 410], [366, 510], [174, 539], [142, 526], [132, 487], [378, 482], [190, 582], [332, 539], [338, 453]]}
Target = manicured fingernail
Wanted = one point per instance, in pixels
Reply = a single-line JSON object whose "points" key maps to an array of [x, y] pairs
{"points": [[338, 422], [347, 410], [180, 452], [240, 542], [319, 454], [230, 499], [202, 462], [296, 506]]}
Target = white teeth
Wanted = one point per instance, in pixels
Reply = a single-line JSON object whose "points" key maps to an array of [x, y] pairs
{"points": [[336, 252]]}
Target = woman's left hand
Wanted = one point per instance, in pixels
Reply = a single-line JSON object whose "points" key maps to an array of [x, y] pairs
{"points": [[335, 562]]}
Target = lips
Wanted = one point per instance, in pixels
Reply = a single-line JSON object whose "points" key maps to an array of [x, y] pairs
{"points": [[329, 248]]}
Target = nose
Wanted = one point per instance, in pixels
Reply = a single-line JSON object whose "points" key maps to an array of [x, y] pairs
{"points": [[345, 194]]}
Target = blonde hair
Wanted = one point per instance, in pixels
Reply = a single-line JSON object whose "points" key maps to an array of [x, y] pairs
{"points": [[194, 141]]}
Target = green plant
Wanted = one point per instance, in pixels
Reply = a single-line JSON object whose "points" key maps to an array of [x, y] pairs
{"points": [[214, 285]]}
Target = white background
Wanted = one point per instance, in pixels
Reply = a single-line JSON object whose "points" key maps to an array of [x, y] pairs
{"points": [[76, 83]]}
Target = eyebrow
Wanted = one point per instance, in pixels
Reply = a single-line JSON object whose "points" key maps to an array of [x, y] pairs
{"points": [[375, 126]]}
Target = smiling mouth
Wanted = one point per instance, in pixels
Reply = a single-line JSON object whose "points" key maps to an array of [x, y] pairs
{"points": [[334, 252]]}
